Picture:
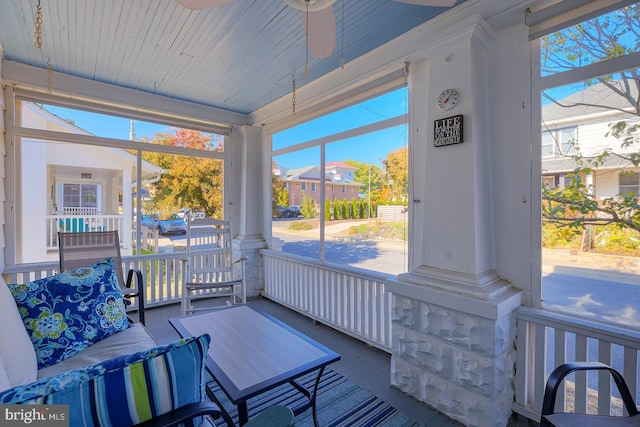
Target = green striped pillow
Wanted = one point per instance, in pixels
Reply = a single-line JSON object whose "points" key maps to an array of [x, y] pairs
{"points": [[126, 390]]}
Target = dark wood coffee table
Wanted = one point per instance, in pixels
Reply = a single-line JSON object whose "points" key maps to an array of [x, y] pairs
{"points": [[252, 352]]}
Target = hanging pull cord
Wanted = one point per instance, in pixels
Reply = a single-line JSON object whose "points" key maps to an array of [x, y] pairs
{"points": [[306, 37], [293, 95], [38, 33], [342, 39]]}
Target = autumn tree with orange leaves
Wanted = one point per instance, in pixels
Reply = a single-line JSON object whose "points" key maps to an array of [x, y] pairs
{"points": [[194, 182]]}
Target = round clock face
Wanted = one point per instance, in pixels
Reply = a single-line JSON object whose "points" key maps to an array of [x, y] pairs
{"points": [[448, 99]]}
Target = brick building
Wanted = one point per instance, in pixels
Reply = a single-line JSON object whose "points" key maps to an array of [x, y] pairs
{"points": [[339, 181]]}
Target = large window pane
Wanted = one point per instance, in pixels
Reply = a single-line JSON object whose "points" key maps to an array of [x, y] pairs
{"points": [[357, 198], [295, 208], [79, 187], [591, 221], [109, 126], [371, 111], [600, 39]]}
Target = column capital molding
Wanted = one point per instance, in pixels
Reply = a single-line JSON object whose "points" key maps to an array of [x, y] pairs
{"points": [[485, 286], [473, 29]]}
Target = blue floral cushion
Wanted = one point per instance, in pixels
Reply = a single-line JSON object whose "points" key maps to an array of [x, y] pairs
{"points": [[127, 390], [66, 313]]}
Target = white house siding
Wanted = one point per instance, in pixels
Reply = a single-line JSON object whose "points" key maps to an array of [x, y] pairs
{"points": [[592, 125], [606, 184], [3, 174]]}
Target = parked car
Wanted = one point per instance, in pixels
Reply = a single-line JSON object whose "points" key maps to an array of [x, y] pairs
{"points": [[149, 221], [287, 212], [198, 215], [172, 224], [294, 212]]}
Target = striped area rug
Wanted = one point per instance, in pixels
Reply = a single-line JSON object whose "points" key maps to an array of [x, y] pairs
{"points": [[340, 403]]}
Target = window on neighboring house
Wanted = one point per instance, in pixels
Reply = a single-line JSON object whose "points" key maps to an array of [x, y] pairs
{"points": [[559, 142], [568, 140], [303, 186], [80, 196], [313, 187], [549, 181], [344, 188], [629, 183], [547, 144]]}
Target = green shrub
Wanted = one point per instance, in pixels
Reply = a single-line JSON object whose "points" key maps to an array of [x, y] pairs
{"points": [[556, 237], [300, 225], [611, 239]]}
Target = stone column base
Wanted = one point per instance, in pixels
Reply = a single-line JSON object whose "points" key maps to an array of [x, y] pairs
{"points": [[455, 353]]}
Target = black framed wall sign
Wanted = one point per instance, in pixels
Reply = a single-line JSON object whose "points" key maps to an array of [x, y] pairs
{"points": [[448, 131]]}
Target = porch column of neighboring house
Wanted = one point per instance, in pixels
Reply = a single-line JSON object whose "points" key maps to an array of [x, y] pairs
{"points": [[453, 324], [244, 200]]}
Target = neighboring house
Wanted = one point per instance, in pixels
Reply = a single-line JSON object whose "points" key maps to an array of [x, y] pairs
{"points": [[73, 187], [583, 128], [305, 182]]}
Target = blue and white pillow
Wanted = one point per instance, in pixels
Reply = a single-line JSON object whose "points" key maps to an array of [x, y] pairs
{"points": [[126, 390], [66, 313]]}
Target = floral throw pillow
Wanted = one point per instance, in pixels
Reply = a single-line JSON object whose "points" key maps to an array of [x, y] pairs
{"points": [[66, 313]]}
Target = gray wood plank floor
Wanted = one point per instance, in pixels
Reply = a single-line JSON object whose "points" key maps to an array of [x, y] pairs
{"points": [[367, 366]]}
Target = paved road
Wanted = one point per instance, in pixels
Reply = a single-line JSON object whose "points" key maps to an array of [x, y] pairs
{"points": [[593, 286], [590, 285]]}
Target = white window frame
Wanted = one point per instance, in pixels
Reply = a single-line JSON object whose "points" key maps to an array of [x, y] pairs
{"points": [[18, 133], [558, 143], [541, 84], [394, 81], [62, 202], [626, 188]]}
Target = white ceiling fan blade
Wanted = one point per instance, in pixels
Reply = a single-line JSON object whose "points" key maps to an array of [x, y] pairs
{"points": [[435, 3], [321, 30], [202, 4]]}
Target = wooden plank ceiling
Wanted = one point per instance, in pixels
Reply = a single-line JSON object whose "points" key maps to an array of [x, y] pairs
{"points": [[239, 56]]}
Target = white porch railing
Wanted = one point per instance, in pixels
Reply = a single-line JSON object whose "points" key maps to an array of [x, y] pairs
{"points": [[546, 340], [84, 222], [351, 300], [162, 274]]}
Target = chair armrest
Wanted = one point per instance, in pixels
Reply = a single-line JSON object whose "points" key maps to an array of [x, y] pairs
{"points": [[138, 276], [139, 290], [184, 415], [558, 375], [241, 259]]}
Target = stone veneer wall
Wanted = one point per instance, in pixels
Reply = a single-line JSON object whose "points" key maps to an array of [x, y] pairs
{"points": [[458, 363], [253, 268]]}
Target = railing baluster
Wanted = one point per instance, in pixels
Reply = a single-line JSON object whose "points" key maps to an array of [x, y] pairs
{"points": [[591, 337], [630, 372], [349, 299], [604, 379]]}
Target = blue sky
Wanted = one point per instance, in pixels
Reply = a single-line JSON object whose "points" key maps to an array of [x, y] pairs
{"points": [[370, 148], [107, 126]]}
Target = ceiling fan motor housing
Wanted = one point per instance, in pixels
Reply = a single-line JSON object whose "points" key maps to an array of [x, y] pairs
{"points": [[313, 5]]}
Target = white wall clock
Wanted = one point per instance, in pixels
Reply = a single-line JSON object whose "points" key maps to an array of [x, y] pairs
{"points": [[448, 99]]}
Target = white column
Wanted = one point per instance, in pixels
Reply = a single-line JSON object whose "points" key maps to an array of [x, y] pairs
{"points": [[451, 236], [244, 200], [452, 315]]}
